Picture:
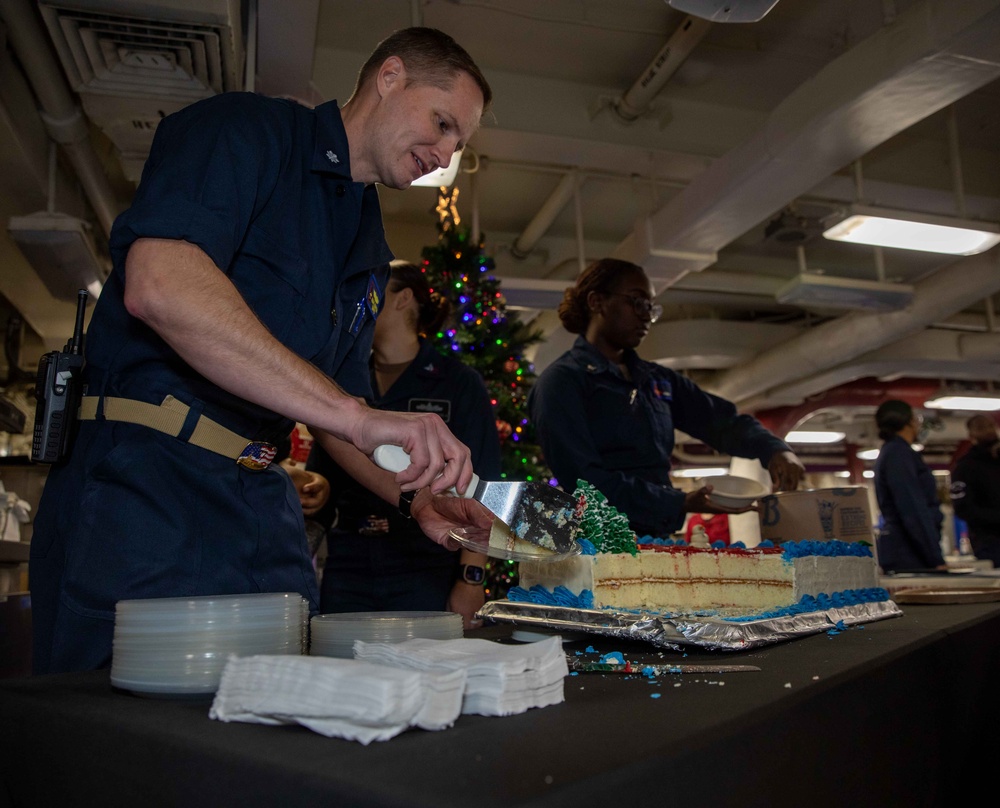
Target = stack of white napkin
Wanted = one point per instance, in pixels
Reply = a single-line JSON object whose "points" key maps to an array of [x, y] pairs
{"points": [[342, 698], [501, 679]]}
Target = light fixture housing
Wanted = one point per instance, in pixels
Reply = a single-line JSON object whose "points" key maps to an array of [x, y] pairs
{"points": [[826, 291], [906, 230], [965, 400], [442, 177], [725, 10], [815, 436], [61, 250]]}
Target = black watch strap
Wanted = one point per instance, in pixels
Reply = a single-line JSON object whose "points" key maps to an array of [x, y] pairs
{"points": [[405, 501]]}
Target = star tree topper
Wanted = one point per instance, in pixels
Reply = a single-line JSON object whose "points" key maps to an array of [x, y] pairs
{"points": [[447, 208]]}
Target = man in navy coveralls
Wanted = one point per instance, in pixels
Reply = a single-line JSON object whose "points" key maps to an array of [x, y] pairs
{"points": [[248, 273]]}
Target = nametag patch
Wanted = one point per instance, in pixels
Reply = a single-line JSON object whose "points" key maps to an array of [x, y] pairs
{"points": [[438, 406]]}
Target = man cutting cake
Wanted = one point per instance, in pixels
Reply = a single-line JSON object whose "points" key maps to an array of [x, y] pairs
{"points": [[248, 273]]}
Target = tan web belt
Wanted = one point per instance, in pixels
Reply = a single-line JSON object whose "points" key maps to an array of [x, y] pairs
{"points": [[169, 418]]}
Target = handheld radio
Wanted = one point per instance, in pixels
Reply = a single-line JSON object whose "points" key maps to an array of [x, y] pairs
{"points": [[57, 389]]}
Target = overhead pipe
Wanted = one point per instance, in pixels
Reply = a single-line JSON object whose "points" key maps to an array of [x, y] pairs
{"points": [[951, 289], [633, 104], [63, 119], [932, 54], [859, 393], [546, 215], [637, 99]]}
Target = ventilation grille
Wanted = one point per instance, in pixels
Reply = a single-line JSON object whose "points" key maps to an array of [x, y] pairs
{"points": [[132, 69], [113, 54]]}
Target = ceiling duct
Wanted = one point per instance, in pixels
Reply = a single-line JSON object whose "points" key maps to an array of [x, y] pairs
{"points": [[811, 289], [61, 250], [133, 62]]}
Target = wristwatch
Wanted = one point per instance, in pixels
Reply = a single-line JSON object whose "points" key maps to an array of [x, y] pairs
{"points": [[472, 574], [405, 501]]}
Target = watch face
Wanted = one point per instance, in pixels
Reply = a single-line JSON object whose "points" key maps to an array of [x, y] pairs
{"points": [[473, 575]]}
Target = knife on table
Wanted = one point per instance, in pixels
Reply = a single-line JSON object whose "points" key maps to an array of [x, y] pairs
{"points": [[580, 666]]}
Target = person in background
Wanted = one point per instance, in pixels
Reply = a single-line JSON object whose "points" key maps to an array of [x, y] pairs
{"points": [[247, 276], [606, 416], [907, 494], [376, 559], [975, 488]]}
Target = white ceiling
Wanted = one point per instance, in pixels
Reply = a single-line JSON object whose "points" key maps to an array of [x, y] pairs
{"points": [[817, 105]]}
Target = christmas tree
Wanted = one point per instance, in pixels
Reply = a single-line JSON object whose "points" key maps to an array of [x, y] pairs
{"points": [[483, 334]]}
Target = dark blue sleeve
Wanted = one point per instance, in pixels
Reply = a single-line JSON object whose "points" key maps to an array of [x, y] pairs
{"points": [[474, 421], [556, 406], [920, 518], [210, 166], [716, 422]]}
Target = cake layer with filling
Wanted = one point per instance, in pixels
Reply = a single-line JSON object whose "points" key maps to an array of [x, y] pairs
{"points": [[618, 572], [683, 579]]}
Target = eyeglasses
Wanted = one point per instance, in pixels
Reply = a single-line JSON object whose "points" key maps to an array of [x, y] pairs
{"points": [[642, 306]]}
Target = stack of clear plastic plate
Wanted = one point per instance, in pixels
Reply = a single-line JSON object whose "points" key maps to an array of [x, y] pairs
{"points": [[179, 646], [333, 635]]}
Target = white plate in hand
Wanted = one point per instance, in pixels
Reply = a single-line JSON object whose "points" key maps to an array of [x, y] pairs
{"points": [[731, 491]]}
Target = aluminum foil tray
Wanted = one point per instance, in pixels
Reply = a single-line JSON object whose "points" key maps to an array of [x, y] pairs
{"points": [[678, 632]]}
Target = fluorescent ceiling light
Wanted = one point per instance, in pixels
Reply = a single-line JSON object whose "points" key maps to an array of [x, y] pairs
{"points": [[813, 437], [841, 474], [914, 231], [867, 454], [714, 471], [965, 401], [442, 177], [868, 474]]}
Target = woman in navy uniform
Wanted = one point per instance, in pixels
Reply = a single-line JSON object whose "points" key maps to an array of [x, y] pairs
{"points": [[606, 416], [906, 493], [377, 560]]}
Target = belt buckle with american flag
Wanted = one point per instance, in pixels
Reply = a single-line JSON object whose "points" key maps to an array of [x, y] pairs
{"points": [[257, 456]]}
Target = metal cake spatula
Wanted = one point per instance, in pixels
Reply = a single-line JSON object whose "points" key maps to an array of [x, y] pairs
{"points": [[534, 512]]}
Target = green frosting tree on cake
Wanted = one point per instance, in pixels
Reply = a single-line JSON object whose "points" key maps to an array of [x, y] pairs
{"points": [[603, 525]]}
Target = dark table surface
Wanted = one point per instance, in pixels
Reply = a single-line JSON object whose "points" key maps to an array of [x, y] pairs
{"points": [[896, 712]]}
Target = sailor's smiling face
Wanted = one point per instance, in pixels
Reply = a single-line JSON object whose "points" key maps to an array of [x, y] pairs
{"points": [[418, 126]]}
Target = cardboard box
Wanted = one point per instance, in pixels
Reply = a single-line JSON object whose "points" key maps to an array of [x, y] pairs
{"points": [[817, 515]]}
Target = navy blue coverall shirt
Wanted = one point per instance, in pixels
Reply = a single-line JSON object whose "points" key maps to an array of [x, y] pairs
{"points": [[617, 434], [377, 560], [263, 186], [907, 498]]}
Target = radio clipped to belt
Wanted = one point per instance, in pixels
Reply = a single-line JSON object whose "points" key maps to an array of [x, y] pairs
{"points": [[57, 390]]}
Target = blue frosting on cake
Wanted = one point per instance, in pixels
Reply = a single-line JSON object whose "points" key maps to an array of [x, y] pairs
{"points": [[563, 597], [820, 603]]}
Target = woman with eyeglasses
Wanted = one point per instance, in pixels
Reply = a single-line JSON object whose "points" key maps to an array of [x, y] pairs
{"points": [[606, 416], [906, 493]]}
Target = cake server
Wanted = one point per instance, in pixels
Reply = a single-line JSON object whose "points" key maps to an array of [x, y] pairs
{"points": [[535, 512], [640, 669]]}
